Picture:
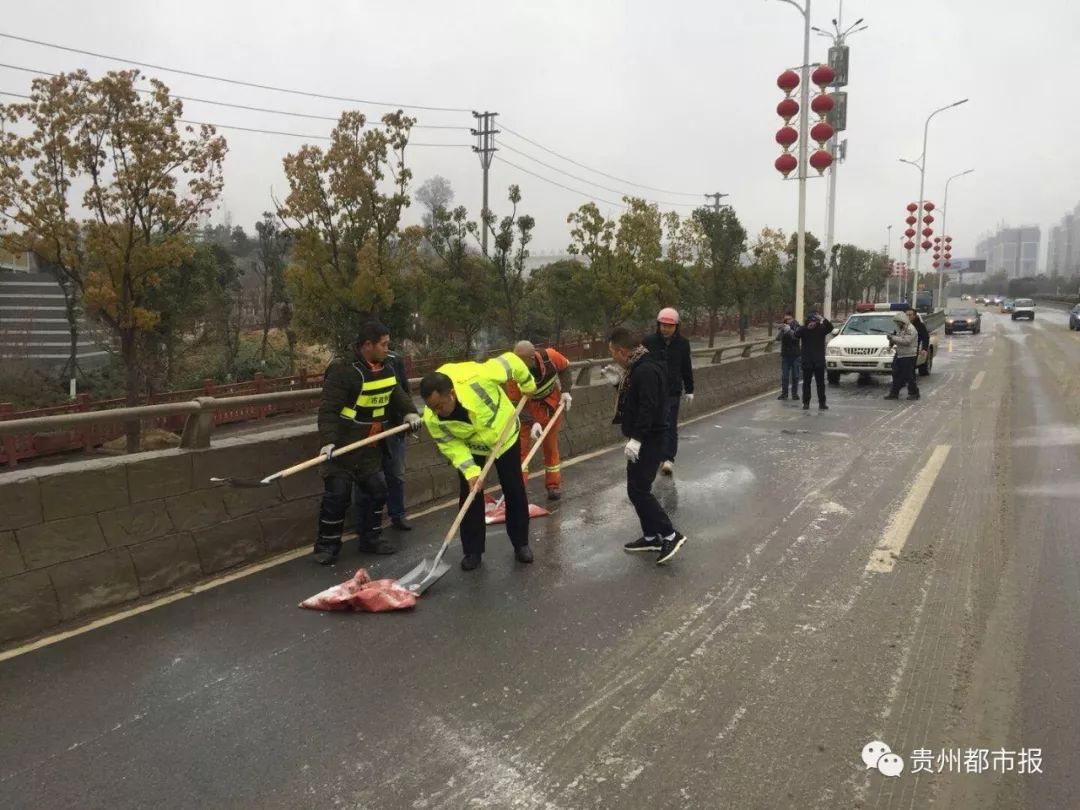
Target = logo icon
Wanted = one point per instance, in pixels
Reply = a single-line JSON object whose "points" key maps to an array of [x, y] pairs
{"points": [[878, 755]]}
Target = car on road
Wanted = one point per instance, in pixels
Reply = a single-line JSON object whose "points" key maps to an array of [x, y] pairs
{"points": [[965, 297], [981, 299], [1023, 308], [963, 319], [1006, 306], [994, 300], [860, 347], [1074, 317]]}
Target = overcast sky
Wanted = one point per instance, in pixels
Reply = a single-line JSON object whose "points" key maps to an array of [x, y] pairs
{"points": [[676, 95]]}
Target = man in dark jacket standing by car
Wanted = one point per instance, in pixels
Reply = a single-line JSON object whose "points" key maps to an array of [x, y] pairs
{"points": [[813, 336], [674, 352], [790, 356], [641, 413]]}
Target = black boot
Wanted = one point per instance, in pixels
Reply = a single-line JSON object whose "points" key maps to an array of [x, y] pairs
{"points": [[470, 562], [523, 554], [400, 523]]}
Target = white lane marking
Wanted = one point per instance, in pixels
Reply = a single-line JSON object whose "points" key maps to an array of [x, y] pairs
{"points": [[883, 558], [978, 380], [295, 554]]}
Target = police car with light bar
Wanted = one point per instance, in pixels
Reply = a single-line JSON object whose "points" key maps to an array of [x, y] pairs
{"points": [[860, 346]]}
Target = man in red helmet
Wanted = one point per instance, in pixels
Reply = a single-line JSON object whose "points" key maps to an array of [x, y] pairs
{"points": [[674, 350]]}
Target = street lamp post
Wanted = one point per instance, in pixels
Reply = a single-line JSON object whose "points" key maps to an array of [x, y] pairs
{"points": [[944, 219], [922, 187], [804, 119]]}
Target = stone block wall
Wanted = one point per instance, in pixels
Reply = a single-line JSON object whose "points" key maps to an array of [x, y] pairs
{"points": [[83, 537]]}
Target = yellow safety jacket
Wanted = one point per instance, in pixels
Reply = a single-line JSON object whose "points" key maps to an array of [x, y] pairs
{"points": [[478, 387]]}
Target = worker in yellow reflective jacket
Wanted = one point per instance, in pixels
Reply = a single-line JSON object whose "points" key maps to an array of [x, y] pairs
{"points": [[466, 411]]}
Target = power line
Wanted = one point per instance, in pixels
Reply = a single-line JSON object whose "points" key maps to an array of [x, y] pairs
{"points": [[245, 106], [265, 131], [590, 182], [597, 171], [227, 80], [560, 185]]}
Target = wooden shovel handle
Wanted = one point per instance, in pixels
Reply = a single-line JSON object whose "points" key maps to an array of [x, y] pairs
{"points": [[319, 459], [537, 444]]}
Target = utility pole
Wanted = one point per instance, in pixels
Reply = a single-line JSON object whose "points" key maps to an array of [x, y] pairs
{"points": [[838, 61], [715, 197], [485, 147]]}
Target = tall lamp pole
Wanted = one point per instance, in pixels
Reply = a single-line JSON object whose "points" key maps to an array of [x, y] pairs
{"points": [[804, 122], [944, 219], [922, 188]]}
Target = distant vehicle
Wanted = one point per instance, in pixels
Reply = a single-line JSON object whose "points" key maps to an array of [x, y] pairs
{"points": [[963, 319], [981, 299], [1074, 318], [995, 300], [965, 297], [1023, 308], [1006, 306]]}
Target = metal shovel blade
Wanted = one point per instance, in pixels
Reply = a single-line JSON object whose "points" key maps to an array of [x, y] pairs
{"points": [[242, 483], [423, 576]]}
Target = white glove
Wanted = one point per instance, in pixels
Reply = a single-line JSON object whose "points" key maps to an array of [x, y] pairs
{"points": [[537, 429], [327, 450], [632, 449], [689, 398], [565, 400], [612, 374], [413, 421]]}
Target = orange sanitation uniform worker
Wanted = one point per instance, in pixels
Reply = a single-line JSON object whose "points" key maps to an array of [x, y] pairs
{"points": [[551, 371]]}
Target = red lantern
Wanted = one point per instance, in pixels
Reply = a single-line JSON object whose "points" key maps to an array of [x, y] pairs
{"points": [[928, 219], [821, 160], [913, 207], [937, 238], [786, 136], [928, 232], [787, 109], [822, 75], [788, 81], [928, 206], [910, 233], [948, 238], [786, 164], [926, 245], [948, 254], [821, 132], [948, 264], [911, 220], [822, 104], [936, 265], [909, 245]]}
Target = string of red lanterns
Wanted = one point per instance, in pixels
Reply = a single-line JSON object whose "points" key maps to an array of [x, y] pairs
{"points": [[788, 108]]}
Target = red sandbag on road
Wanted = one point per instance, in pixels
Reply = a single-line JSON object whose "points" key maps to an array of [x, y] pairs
{"points": [[363, 594], [495, 511]]}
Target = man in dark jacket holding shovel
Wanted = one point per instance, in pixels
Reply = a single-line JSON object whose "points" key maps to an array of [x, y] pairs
{"points": [[641, 412], [359, 399], [813, 336]]}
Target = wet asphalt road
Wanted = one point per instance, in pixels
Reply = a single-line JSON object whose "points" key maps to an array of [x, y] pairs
{"points": [[749, 673]]}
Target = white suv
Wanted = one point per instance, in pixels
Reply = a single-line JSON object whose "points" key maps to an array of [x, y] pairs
{"points": [[860, 347], [1023, 308]]}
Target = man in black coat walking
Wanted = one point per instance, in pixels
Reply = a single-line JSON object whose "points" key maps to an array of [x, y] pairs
{"points": [[813, 335], [642, 414], [673, 350], [790, 356]]}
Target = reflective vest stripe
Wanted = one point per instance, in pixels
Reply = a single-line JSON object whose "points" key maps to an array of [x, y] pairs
{"points": [[487, 400], [506, 365], [374, 396]]}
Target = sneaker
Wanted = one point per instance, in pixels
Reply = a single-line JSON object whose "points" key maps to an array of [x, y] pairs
{"points": [[643, 544], [806, 406], [823, 407], [782, 396], [376, 546], [400, 523], [554, 494], [667, 468], [670, 547], [325, 557], [470, 562], [523, 554]]}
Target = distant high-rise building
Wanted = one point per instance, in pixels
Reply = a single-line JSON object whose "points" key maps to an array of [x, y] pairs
{"points": [[1063, 258], [1012, 251]]}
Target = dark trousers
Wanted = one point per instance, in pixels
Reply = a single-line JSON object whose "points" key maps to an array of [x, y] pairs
{"points": [[394, 470], [640, 475], [903, 373], [813, 369], [789, 372], [473, 527], [367, 492], [671, 436]]}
